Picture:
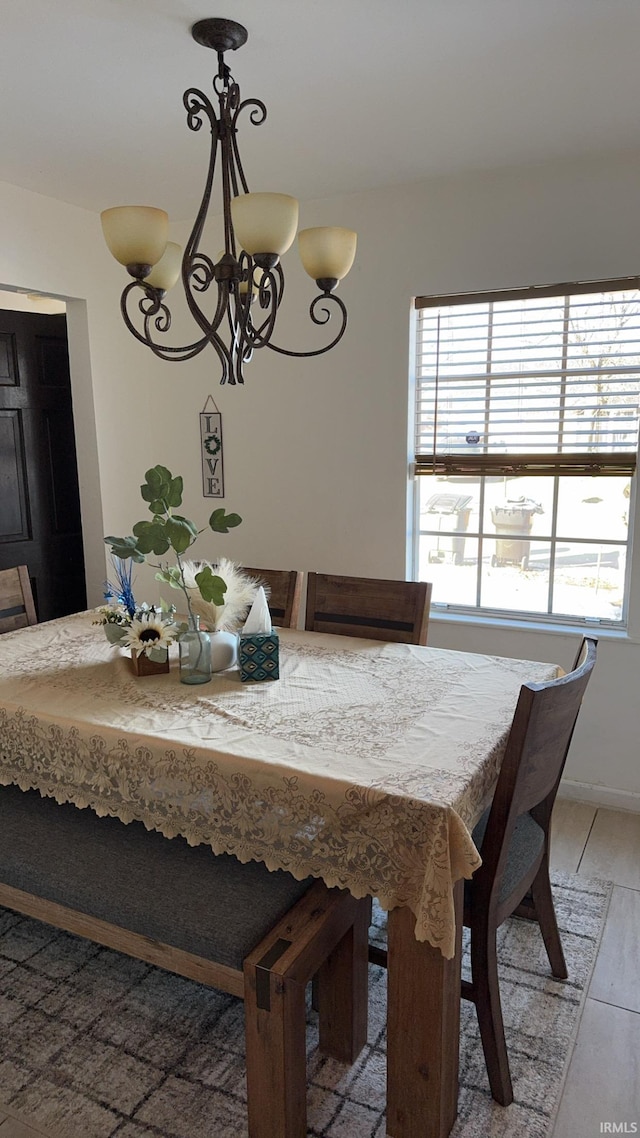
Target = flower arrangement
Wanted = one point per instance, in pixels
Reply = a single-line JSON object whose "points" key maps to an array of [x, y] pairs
{"points": [[220, 593], [145, 629]]}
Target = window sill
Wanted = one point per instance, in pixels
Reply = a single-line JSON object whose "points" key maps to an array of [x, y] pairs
{"points": [[603, 632]]}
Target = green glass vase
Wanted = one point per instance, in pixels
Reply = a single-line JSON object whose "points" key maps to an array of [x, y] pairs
{"points": [[194, 647]]}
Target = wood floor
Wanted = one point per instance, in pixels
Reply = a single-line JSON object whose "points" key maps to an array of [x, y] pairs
{"points": [[603, 1082]]}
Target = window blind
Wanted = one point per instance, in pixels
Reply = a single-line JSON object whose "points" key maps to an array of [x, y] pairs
{"points": [[535, 381]]}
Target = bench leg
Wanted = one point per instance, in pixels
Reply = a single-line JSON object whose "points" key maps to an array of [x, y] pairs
{"points": [[325, 933], [276, 1061], [342, 992]]}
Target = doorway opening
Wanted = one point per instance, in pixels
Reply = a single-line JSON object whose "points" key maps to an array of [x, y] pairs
{"points": [[40, 519]]}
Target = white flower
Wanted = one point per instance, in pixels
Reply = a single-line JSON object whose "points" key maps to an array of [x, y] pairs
{"points": [[148, 632], [109, 614], [240, 594]]}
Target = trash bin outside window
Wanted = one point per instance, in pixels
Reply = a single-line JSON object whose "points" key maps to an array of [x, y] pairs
{"points": [[514, 517], [452, 512]]}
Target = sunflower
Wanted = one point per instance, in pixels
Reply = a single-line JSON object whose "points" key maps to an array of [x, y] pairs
{"points": [[147, 633]]}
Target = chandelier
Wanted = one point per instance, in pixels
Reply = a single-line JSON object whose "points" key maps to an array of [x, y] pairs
{"points": [[245, 281]]}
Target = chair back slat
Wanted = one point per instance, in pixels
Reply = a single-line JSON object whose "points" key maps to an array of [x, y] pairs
{"points": [[17, 609], [535, 755], [367, 607], [284, 589]]}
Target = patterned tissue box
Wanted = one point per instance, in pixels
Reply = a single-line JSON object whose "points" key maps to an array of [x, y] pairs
{"points": [[258, 656]]}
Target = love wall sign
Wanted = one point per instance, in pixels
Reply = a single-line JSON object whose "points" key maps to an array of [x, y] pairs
{"points": [[211, 447]]}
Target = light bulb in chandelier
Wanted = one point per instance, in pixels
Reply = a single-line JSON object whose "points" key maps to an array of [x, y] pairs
{"points": [[245, 282]]}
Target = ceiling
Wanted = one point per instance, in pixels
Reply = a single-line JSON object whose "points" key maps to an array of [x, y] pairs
{"points": [[359, 93]]}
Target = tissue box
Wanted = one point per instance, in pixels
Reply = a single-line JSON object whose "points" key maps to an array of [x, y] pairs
{"points": [[258, 656]]}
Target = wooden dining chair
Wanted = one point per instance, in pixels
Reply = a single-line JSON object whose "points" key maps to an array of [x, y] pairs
{"points": [[284, 593], [513, 840], [17, 609], [372, 608]]}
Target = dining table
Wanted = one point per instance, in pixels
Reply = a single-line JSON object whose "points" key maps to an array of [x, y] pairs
{"points": [[365, 764]]}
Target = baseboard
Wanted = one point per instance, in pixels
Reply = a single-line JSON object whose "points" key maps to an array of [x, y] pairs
{"points": [[600, 796]]}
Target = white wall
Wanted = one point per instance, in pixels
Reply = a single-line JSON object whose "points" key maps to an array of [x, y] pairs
{"points": [[316, 451]]}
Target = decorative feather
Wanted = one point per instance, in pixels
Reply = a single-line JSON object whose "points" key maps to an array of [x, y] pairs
{"points": [[122, 591], [240, 594]]}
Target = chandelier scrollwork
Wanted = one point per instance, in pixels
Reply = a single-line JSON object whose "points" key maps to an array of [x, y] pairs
{"points": [[258, 229]]}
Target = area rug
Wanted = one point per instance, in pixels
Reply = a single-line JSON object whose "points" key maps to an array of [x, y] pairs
{"points": [[95, 1044]]}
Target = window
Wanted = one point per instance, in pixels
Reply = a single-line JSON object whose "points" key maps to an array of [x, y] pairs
{"points": [[526, 437]]}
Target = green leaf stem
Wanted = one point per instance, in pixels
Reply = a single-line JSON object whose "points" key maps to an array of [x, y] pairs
{"points": [[167, 530], [221, 522], [212, 588]]}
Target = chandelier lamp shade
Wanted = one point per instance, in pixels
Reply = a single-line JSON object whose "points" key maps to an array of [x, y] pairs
{"points": [[234, 298]]}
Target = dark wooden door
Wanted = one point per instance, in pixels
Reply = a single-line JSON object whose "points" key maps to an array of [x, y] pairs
{"points": [[40, 524]]}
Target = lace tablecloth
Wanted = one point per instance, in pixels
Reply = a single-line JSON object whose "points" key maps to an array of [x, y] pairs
{"points": [[365, 764]]}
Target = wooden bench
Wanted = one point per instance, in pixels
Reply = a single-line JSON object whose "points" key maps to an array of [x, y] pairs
{"points": [[240, 928]]}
